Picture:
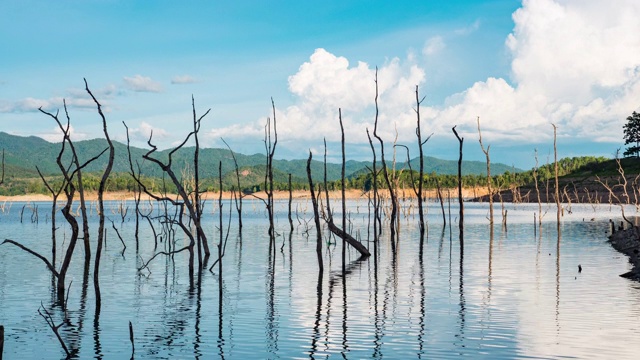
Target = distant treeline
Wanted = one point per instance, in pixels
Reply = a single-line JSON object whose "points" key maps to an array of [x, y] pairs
{"points": [[252, 179]]}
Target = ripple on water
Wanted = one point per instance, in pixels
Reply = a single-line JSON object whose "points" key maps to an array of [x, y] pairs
{"points": [[510, 296]]}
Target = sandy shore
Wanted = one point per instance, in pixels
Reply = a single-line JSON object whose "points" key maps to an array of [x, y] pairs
{"points": [[298, 194]]}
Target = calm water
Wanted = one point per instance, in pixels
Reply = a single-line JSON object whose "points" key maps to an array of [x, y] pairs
{"points": [[509, 296]]}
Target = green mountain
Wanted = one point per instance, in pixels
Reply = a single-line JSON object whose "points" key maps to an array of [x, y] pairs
{"points": [[23, 154]]}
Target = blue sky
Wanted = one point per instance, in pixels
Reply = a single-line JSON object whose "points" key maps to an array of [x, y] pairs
{"points": [[519, 66]]}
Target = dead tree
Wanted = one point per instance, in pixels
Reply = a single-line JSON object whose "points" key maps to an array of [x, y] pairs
{"points": [[385, 173], [270, 148], [612, 195], [2, 179], [200, 237], [417, 191], [54, 202], [238, 199], [2, 327], [290, 201], [326, 187], [69, 190], [344, 201], [486, 153], [461, 221], [101, 188], [441, 200], [316, 215], [535, 179], [55, 328], [186, 201], [377, 226], [421, 168], [555, 167], [80, 186]]}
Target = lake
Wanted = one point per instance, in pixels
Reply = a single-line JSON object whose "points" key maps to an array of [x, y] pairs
{"points": [[511, 295]]}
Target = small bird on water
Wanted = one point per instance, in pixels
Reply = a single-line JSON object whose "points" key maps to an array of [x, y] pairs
{"points": [[579, 268]]}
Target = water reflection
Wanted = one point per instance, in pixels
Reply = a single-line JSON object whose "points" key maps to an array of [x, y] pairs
{"points": [[495, 296]]}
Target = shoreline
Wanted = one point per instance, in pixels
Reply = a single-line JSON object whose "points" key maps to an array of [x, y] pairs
{"points": [[226, 195], [627, 242]]}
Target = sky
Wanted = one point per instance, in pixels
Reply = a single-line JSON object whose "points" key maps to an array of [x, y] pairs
{"points": [[517, 66]]}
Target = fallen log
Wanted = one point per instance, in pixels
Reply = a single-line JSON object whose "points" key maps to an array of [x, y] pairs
{"points": [[348, 238]]}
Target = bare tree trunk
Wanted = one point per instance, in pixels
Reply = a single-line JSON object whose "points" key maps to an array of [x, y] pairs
{"points": [[316, 216], [80, 188], [238, 200], [221, 237], [54, 202], [344, 202], [290, 201], [196, 188], [194, 212], [2, 179], [376, 212], [535, 179], [444, 218], [392, 194], [69, 190], [101, 188], [421, 171], [555, 166], [461, 221], [486, 153], [2, 327], [268, 179]]}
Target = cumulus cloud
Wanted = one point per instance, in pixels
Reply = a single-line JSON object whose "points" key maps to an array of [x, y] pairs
{"points": [[327, 83], [183, 79], [574, 63], [141, 83]]}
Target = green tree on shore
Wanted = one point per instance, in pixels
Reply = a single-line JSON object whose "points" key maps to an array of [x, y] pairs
{"points": [[632, 135]]}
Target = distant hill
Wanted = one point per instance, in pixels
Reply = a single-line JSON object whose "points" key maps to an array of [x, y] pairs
{"points": [[23, 154]]}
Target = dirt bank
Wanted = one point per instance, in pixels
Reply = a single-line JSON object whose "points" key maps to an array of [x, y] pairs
{"points": [[628, 242]]}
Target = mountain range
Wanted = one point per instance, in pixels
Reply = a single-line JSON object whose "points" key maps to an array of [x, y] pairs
{"points": [[23, 154]]}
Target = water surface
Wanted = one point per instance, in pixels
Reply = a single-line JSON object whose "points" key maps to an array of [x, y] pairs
{"points": [[511, 295]]}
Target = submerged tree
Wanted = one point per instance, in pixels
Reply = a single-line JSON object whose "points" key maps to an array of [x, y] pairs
{"points": [[486, 153], [184, 201], [70, 179], [385, 173], [461, 221], [270, 148]]}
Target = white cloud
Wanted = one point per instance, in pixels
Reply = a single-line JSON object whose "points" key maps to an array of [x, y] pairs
{"points": [[433, 46], [51, 105], [575, 63], [326, 83], [55, 135], [183, 79], [141, 83], [144, 131]]}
